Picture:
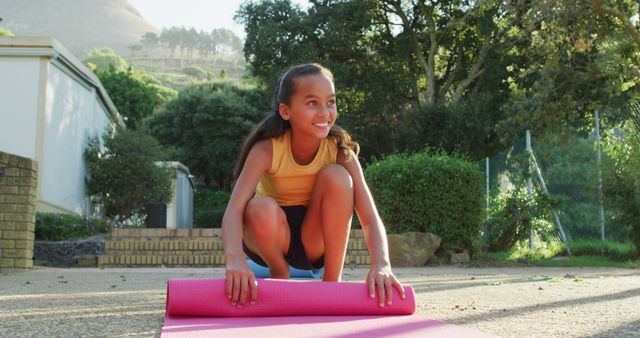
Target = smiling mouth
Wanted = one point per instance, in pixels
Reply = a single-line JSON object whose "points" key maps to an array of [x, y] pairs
{"points": [[322, 124]]}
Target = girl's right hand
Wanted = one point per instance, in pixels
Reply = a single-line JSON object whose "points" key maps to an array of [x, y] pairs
{"points": [[240, 282]]}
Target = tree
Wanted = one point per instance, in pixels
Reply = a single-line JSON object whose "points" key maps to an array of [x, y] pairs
{"points": [[481, 70], [171, 38], [188, 41], [204, 45], [208, 124], [133, 98], [384, 73], [150, 41], [124, 173], [621, 14], [573, 63]]}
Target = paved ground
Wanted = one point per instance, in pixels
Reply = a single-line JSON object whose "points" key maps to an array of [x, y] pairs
{"points": [[508, 302]]}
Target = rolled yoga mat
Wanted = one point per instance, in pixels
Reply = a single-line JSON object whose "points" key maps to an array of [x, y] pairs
{"points": [[285, 308]]}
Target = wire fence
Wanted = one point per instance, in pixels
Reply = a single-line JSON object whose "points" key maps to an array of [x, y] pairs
{"points": [[569, 167]]}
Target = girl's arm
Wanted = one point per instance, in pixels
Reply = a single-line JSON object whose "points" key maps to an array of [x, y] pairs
{"points": [[380, 276], [240, 279]]}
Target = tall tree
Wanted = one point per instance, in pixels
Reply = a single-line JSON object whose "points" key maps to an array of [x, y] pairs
{"points": [[208, 123], [621, 14], [170, 37], [574, 62], [474, 73], [133, 98], [150, 41], [377, 52]]}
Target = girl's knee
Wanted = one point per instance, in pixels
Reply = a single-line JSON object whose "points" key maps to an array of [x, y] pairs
{"points": [[261, 215], [336, 176]]}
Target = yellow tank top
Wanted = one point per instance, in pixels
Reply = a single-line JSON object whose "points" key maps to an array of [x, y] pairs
{"points": [[288, 182]]}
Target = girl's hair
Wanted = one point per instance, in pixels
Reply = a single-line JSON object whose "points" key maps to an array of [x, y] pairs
{"points": [[274, 125]]}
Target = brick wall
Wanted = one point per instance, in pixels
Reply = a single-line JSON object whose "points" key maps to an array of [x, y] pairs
{"points": [[189, 247], [18, 181]]}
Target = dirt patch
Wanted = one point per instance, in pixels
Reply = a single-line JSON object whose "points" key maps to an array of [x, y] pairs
{"points": [[508, 302]]}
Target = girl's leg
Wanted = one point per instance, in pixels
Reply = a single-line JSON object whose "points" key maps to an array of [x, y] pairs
{"points": [[325, 229], [266, 232]]}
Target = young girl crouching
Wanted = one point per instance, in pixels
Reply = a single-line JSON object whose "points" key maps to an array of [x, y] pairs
{"points": [[298, 181]]}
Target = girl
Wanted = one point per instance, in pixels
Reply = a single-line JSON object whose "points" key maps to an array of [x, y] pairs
{"points": [[298, 181]]}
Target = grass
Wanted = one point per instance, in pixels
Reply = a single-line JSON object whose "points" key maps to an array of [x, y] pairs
{"points": [[586, 261], [586, 253], [614, 250]]}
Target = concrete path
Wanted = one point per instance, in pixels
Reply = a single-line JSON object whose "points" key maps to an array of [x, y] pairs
{"points": [[508, 302]]}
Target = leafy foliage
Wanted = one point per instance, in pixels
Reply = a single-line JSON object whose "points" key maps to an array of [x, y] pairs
{"points": [[513, 215], [105, 59], [133, 98], [405, 70], [209, 207], [61, 227], [573, 62], [197, 72], [614, 250], [390, 71], [570, 169], [207, 124], [622, 183], [430, 193], [124, 173], [463, 128]]}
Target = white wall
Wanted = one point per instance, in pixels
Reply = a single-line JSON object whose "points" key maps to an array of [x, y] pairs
{"points": [[19, 77], [72, 114]]}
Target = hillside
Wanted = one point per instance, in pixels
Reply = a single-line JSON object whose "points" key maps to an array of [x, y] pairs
{"points": [[80, 25]]}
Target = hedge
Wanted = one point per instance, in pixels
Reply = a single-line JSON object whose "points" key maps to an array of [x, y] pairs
{"points": [[430, 192]]}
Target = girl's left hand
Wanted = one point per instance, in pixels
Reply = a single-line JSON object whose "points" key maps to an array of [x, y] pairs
{"points": [[381, 278]]}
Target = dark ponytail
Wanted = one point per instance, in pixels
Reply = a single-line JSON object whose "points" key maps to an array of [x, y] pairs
{"points": [[274, 125]]}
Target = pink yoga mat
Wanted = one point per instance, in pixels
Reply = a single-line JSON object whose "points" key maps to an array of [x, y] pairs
{"points": [[286, 308]]}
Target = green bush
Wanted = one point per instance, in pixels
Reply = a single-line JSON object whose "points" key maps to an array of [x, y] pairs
{"points": [[104, 59], [569, 166], [197, 72], [512, 215], [209, 207], [124, 173], [61, 227], [622, 183], [430, 192]]}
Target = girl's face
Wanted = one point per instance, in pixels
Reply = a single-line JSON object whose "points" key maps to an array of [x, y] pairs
{"points": [[312, 110]]}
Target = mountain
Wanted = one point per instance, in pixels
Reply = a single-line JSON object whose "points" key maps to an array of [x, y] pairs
{"points": [[80, 25]]}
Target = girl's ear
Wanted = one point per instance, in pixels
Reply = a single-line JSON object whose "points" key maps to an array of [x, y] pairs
{"points": [[284, 111]]}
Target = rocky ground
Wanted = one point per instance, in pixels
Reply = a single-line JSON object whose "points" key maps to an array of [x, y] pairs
{"points": [[507, 302]]}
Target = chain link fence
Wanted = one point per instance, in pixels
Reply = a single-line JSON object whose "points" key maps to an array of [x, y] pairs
{"points": [[571, 206]]}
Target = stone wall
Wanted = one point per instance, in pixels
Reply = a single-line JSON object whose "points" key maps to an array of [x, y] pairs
{"points": [[68, 253], [18, 182]]}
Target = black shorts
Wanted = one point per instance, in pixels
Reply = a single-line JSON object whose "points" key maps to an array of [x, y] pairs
{"points": [[296, 257]]}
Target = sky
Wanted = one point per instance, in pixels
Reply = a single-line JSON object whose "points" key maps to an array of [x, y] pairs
{"points": [[200, 14]]}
